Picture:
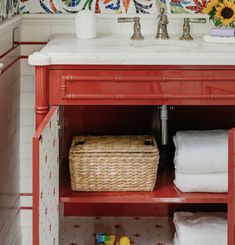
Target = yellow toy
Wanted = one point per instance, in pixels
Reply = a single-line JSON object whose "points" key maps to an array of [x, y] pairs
{"points": [[124, 240]]}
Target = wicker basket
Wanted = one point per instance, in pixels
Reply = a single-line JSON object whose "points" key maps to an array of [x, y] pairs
{"points": [[113, 163]]}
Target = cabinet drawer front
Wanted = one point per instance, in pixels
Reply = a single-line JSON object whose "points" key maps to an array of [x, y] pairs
{"points": [[135, 86]]}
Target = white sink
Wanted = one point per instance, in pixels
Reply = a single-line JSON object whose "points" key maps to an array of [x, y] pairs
{"points": [[164, 44]]}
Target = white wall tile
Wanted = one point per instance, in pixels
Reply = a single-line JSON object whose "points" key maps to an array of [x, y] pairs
{"points": [[26, 235], [26, 134], [26, 184], [27, 84], [27, 100], [26, 50], [60, 28], [27, 117], [34, 32], [26, 69], [26, 201], [26, 151], [30, 48], [38, 47], [6, 41], [26, 227], [26, 218], [26, 167]]}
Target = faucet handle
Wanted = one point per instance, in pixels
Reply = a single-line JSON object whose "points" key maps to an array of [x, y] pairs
{"points": [[186, 27], [197, 20], [137, 27]]}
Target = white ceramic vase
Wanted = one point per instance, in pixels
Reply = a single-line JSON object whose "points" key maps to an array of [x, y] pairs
{"points": [[85, 24]]}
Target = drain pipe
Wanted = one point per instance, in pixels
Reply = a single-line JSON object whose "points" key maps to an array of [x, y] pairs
{"points": [[164, 118]]}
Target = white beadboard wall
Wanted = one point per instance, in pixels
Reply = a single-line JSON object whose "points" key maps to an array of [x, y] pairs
{"points": [[10, 136]]}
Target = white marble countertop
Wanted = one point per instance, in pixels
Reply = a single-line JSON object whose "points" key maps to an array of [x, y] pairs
{"points": [[117, 49]]}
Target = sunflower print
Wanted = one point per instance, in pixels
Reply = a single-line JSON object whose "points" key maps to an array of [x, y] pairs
{"points": [[225, 13], [210, 6]]}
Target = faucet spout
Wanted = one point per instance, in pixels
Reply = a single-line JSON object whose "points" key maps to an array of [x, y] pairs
{"points": [[162, 25]]}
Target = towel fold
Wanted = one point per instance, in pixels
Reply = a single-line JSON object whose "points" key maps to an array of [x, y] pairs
{"points": [[200, 228], [201, 151], [217, 182]]}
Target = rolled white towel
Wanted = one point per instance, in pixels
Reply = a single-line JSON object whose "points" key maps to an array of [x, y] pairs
{"points": [[201, 151], [200, 228], [215, 182]]}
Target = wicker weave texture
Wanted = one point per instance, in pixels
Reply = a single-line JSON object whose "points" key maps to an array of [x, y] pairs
{"points": [[113, 163]]}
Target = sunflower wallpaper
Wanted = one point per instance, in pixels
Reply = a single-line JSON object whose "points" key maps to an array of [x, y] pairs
{"points": [[221, 12], [8, 8]]}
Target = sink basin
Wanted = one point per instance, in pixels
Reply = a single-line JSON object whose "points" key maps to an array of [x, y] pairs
{"points": [[164, 44]]}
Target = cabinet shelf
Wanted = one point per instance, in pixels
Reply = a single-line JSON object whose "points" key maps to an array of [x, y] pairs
{"points": [[164, 192]]}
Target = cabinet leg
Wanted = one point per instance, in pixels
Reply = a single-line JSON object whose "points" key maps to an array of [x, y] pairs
{"points": [[41, 103]]}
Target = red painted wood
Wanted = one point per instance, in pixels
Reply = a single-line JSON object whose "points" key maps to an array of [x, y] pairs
{"points": [[231, 192], [26, 208], [164, 192], [137, 209], [26, 194], [31, 43], [41, 104], [139, 85], [142, 86], [36, 167], [100, 120]]}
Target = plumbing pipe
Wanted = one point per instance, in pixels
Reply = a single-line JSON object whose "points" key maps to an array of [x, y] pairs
{"points": [[164, 118]]}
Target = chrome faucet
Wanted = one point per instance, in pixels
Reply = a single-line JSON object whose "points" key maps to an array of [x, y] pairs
{"points": [[186, 27], [137, 27], [162, 25]]}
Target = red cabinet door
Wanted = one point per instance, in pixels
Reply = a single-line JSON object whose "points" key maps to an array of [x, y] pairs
{"points": [[46, 181]]}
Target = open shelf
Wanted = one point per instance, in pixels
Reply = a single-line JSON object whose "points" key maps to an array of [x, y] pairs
{"points": [[147, 231], [164, 192], [84, 120]]}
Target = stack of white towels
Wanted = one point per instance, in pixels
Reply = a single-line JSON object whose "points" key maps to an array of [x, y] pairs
{"points": [[200, 228], [201, 161]]}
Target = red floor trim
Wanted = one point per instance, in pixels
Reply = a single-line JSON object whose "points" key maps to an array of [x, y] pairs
{"points": [[31, 43], [26, 194], [26, 208]]}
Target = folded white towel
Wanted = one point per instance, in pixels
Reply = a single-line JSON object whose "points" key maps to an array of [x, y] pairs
{"points": [[201, 151], [217, 182], [200, 228]]}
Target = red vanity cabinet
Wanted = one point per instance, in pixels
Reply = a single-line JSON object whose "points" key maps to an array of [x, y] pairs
{"points": [[100, 86]]}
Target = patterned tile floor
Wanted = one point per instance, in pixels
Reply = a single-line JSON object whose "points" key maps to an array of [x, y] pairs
{"points": [[144, 231]]}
